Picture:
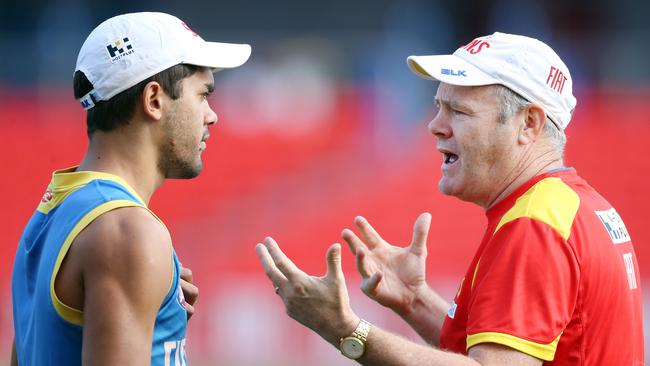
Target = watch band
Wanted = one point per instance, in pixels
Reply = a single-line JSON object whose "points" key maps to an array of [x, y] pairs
{"points": [[354, 345], [362, 330]]}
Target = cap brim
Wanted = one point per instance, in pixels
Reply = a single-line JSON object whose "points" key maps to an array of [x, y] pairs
{"points": [[449, 69], [218, 55]]}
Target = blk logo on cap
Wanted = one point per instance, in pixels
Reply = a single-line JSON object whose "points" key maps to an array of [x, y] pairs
{"points": [[119, 49]]}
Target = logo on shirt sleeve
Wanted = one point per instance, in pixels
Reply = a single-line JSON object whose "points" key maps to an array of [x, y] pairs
{"points": [[614, 226], [452, 310], [629, 268]]}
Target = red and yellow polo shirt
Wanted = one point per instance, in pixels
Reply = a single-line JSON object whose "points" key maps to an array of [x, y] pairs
{"points": [[555, 277]]}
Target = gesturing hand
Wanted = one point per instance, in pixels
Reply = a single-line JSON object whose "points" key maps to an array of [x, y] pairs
{"points": [[190, 291], [391, 275], [319, 303]]}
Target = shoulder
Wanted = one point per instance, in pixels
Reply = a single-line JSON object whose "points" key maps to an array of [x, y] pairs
{"points": [[126, 243], [550, 201]]}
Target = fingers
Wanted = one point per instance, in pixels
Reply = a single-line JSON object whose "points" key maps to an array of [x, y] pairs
{"points": [[369, 286], [281, 261], [360, 251], [186, 274], [272, 272], [368, 233], [334, 269], [189, 309], [190, 292], [420, 232], [362, 264], [354, 243]]}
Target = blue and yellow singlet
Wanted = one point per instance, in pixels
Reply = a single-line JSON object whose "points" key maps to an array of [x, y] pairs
{"points": [[48, 332]]}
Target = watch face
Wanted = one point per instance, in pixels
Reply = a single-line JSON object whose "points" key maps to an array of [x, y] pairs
{"points": [[352, 347]]}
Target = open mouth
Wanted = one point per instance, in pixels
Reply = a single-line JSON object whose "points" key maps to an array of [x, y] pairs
{"points": [[449, 158], [203, 143]]}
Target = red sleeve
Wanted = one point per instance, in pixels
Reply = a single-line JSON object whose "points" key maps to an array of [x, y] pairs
{"points": [[524, 289]]}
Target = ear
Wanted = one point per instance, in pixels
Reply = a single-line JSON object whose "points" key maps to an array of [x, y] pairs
{"points": [[153, 99], [533, 124]]}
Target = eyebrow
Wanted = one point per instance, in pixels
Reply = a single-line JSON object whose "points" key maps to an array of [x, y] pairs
{"points": [[453, 104], [209, 87]]}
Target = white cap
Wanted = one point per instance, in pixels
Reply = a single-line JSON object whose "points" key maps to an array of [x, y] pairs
{"points": [[129, 48], [525, 65]]}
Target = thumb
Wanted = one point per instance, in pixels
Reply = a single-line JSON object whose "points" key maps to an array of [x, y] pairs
{"points": [[420, 232], [369, 287], [334, 269]]}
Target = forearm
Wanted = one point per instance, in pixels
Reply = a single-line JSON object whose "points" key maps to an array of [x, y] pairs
{"points": [[426, 315], [386, 349], [14, 355]]}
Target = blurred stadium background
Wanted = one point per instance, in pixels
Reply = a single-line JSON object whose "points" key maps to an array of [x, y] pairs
{"points": [[325, 122]]}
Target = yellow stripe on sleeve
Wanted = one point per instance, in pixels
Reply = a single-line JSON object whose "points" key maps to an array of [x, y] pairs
{"points": [[475, 272], [550, 201], [542, 351], [66, 312]]}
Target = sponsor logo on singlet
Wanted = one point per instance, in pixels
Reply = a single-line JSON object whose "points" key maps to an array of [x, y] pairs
{"points": [[175, 353], [614, 226], [47, 196]]}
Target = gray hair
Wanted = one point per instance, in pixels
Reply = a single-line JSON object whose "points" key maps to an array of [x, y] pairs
{"points": [[512, 103]]}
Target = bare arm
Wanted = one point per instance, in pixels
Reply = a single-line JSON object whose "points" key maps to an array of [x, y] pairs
{"points": [[385, 349], [127, 270], [394, 276], [426, 315], [322, 304], [14, 356]]}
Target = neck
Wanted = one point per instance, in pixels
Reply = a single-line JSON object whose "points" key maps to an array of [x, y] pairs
{"points": [[127, 155], [524, 171]]}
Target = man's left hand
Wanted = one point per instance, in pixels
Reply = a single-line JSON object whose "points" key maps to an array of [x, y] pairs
{"points": [[190, 291]]}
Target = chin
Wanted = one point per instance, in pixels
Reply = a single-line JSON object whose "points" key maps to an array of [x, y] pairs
{"points": [[445, 187], [448, 188], [194, 171], [186, 171]]}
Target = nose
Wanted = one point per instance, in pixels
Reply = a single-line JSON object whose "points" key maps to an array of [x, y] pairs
{"points": [[210, 117], [439, 126]]}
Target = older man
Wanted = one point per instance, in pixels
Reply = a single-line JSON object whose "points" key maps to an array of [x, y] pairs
{"points": [[555, 279]]}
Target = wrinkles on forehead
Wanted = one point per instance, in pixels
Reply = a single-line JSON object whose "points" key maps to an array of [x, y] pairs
{"points": [[468, 99]]}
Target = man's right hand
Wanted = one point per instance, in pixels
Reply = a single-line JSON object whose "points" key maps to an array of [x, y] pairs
{"points": [[391, 275]]}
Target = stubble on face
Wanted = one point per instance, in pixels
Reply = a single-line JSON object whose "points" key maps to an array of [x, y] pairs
{"points": [[179, 155], [483, 143]]}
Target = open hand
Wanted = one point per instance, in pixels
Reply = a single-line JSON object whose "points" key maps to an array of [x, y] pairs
{"points": [[391, 275], [319, 303]]}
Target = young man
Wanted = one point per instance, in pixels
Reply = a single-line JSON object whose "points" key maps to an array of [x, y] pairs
{"points": [[555, 280], [96, 280]]}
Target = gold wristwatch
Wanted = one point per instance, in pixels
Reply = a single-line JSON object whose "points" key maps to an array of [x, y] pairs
{"points": [[354, 345]]}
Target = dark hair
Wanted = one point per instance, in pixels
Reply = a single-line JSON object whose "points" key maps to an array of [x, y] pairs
{"points": [[110, 114]]}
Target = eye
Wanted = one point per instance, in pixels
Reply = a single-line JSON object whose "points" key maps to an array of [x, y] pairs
{"points": [[456, 112]]}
